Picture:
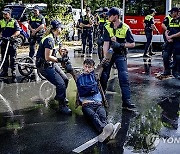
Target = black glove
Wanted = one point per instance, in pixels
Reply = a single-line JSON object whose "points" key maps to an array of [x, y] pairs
{"points": [[68, 67], [116, 45], [100, 41], [63, 59]]}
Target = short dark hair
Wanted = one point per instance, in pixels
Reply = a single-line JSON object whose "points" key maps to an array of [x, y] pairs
{"points": [[89, 62]]}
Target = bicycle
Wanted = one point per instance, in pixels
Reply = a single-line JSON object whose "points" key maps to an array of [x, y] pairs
{"points": [[26, 66]]}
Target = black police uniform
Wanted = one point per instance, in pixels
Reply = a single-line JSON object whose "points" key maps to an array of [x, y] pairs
{"points": [[8, 29], [35, 22], [51, 71], [174, 28], [87, 33], [149, 21], [168, 48]]}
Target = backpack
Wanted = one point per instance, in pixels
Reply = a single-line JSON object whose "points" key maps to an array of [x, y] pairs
{"points": [[87, 84]]}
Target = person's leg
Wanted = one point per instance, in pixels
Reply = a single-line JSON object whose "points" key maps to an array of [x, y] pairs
{"points": [[13, 62], [89, 111], [5, 66], [148, 43], [167, 54], [121, 64], [102, 114], [84, 39], [106, 73], [52, 76], [62, 74], [90, 39], [32, 42]]}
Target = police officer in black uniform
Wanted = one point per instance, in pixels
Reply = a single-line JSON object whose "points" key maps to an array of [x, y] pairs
{"points": [[86, 23], [149, 27], [9, 28], [173, 37], [46, 62], [103, 19], [36, 27], [170, 23]]}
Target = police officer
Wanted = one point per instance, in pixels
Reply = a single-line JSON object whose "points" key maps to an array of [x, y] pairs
{"points": [[170, 22], [173, 37], [103, 19], [87, 33], [118, 36], [9, 28], [46, 61], [36, 27], [149, 27]]}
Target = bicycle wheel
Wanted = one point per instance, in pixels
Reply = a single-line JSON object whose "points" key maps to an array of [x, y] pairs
{"points": [[24, 68], [40, 75]]}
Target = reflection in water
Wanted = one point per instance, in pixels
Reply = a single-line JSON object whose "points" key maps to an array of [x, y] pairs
{"points": [[169, 115], [147, 65], [117, 146]]}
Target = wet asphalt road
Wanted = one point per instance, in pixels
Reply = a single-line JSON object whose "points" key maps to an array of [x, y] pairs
{"points": [[29, 122]]}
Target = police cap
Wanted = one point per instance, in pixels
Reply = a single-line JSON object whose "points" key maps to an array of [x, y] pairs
{"points": [[36, 7], [174, 9], [6, 10], [113, 11], [153, 11], [55, 24]]}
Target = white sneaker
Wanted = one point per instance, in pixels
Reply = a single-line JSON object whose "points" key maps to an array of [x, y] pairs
{"points": [[116, 127], [107, 131]]}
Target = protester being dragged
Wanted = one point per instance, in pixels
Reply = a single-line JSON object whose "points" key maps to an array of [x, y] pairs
{"points": [[91, 97]]}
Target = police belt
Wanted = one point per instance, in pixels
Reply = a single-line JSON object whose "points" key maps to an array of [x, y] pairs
{"points": [[42, 63], [120, 52], [87, 29]]}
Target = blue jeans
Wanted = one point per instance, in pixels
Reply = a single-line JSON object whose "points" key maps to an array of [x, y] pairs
{"points": [[121, 64], [96, 114], [53, 75]]}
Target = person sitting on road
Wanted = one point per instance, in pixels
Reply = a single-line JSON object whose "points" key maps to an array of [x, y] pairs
{"points": [[92, 98], [46, 62]]}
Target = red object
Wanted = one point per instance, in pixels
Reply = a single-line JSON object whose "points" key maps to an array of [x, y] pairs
{"points": [[136, 23], [22, 26]]}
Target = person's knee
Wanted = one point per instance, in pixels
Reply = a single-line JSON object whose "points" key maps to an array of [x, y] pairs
{"points": [[165, 55], [123, 77]]}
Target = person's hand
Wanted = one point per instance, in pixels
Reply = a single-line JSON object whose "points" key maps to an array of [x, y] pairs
{"points": [[116, 45], [63, 51], [62, 60], [33, 32], [113, 38]]}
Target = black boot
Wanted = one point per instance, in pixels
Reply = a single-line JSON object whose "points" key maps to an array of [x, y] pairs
{"points": [[128, 105], [63, 108], [14, 77]]}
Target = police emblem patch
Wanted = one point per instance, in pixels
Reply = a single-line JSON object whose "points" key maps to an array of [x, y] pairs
{"points": [[50, 42]]}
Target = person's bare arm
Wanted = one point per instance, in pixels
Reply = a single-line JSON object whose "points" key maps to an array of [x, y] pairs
{"points": [[48, 55]]}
